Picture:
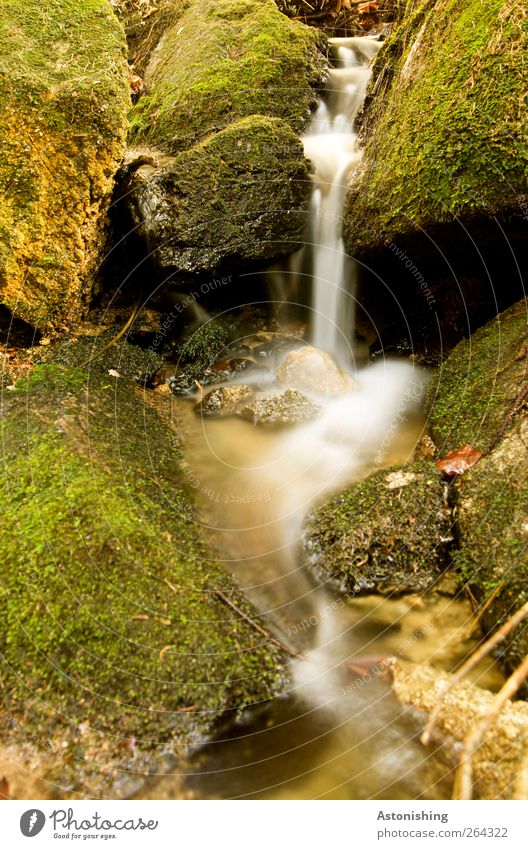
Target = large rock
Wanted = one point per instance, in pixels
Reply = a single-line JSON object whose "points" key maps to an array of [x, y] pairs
{"points": [[388, 534], [216, 172], [311, 370], [63, 100], [478, 397], [443, 176], [116, 649], [239, 195], [222, 60]]}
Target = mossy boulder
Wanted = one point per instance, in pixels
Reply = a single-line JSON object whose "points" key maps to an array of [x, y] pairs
{"points": [[222, 60], [388, 534], [437, 209], [473, 392], [448, 135], [63, 102], [216, 176], [116, 647], [492, 510], [478, 397], [238, 196]]}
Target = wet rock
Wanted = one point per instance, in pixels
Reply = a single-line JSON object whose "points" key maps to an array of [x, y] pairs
{"points": [[64, 79], [239, 195], [289, 408], [388, 534], [500, 757], [310, 370], [109, 603], [223, 401]]}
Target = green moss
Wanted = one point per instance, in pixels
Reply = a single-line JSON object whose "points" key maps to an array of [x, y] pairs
{"points": [[207, 343], [492, 506], [64, 95], [221, 61], [238, 194], [103, 566], [384, 537], [54, 57], [473, 391], [448, 134], [102, 354]]}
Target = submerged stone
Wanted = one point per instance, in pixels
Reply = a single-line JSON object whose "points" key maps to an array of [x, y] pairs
{"points": [[289, 408], [310, 370], [224, 401]]}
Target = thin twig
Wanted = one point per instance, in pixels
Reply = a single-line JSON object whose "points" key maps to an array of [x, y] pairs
{"points": [[472, 660], [284, 648], [463, 788], [481, 611]]}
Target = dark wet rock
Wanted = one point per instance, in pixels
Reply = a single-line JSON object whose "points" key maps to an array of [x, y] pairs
{"points": [[109, 618], [388, 534], [289, 408], [193, 377], [65, 97], [238, 196], [224, 401], [311, 370]]}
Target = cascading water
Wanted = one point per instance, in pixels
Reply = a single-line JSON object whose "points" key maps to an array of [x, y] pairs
{"points": [[328, 738], [331, 145]]}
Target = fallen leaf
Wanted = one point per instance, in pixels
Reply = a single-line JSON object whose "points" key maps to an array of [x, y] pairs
{"points": [[141, 617], [163, 651], [136, 84], [459, 461]]}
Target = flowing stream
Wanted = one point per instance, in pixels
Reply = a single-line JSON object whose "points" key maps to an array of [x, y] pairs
{"points": [[332, 734]]}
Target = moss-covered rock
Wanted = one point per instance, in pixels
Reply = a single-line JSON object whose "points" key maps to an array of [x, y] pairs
{"points": [[63, 103], [222, 60], [105, 353], [478, 396], [237, 196], [474, 390], [437, 210], [492, 510], [116, 647], [387, 534], [448, 135]]}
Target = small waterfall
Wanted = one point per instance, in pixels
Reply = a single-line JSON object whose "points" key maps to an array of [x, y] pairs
{"points": [[331, 145]]}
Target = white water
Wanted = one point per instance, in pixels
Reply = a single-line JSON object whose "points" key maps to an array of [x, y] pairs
{"points": [[331, 145]]}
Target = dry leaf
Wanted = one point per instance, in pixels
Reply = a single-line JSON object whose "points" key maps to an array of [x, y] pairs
{"points": [[459, 461], [141, 617]]}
